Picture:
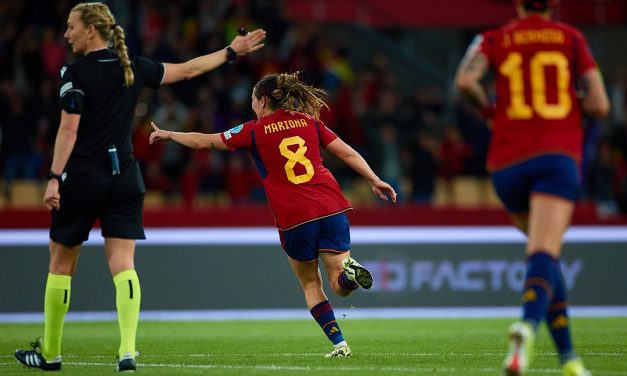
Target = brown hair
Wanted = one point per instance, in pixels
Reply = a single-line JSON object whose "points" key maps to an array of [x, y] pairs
{"points": [[287, 92], [100, 16]]}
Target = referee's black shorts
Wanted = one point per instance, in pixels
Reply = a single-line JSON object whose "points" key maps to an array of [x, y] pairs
{"points": [[91, 192]]}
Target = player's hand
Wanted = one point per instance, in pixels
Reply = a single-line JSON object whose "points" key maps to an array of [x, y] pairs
{"points": [[52, 198], [383, 190], [158, 134], [245, 44]]}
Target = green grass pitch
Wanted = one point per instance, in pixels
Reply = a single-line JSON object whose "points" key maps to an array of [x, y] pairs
{"points": [[296, 347]]}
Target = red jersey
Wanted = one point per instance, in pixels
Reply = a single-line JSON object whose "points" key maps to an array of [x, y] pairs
{"points": [[286, 149], [536, 63]]}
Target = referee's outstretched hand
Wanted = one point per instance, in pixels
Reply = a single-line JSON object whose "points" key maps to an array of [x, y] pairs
{"points": [[158, 134], [245, 44]]}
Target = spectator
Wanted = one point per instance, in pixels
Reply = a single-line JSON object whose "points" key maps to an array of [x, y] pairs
{"points": [[174, 158], [52, 52], [18, 140], [602, 186], [453, 152], [423, 167]]}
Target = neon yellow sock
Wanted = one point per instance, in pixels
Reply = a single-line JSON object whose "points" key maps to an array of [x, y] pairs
{"points": [[127, 300], [56, 303]]}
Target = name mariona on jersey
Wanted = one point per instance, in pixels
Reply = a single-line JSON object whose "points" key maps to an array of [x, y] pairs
{"points": [[284, 125]]}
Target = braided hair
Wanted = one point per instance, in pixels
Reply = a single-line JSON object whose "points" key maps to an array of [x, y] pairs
{"points": [[100, 16]]}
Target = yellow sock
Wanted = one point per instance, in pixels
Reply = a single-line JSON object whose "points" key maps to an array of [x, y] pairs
{"points": [[56, 303], [127, 300]]}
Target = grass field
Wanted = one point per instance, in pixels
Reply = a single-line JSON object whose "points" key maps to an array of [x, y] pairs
{"points": [[380, 347]]}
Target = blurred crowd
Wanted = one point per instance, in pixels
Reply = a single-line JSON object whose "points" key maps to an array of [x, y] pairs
{"points": [[413, 141]]}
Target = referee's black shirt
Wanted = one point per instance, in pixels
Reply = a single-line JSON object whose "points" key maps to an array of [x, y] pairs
{"points": [[93, 86]]}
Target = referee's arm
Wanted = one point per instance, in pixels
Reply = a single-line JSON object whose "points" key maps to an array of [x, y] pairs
{"points": [[241, 45], [63, 146], [64, 143]]}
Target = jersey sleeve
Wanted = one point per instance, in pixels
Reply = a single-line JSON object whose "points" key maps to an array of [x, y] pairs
{"points": [[71, 94], [326, 135], [151, 71], [482, 43], [583, 55], [238, 137]]}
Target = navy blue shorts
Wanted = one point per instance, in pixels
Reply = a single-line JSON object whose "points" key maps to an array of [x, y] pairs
{"points": [[305, 242], [552, 174]]}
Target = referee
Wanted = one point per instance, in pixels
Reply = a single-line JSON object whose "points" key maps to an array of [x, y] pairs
{"points": [[94, 174]]}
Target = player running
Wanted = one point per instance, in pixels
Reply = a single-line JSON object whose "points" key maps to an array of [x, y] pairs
{"points": [[307, 203], [534, 154]]}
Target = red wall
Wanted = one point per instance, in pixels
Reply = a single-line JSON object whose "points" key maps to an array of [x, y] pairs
{"points": [[259, 215]]}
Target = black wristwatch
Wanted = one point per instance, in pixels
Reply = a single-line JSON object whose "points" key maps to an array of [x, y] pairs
{"points": [[52, 175], [230, 54]]}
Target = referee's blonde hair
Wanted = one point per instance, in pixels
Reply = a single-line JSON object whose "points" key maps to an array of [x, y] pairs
{"points": [[288, 92], [99, 15]]}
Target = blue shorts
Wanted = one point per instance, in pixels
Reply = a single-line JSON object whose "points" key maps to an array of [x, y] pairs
{"points": [[553, 174], [328, 234]]}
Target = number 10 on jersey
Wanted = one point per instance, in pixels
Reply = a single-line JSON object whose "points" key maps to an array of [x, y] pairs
{"points": [[512, 68]]}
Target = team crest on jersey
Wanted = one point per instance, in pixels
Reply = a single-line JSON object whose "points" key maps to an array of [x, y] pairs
{"points": [[228, 134]]}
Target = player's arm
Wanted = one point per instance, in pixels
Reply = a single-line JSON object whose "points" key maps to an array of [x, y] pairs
{"points": [[193, 140], [471, 70], [63, 146], [241, 44], [595, 102], [355, 161]]}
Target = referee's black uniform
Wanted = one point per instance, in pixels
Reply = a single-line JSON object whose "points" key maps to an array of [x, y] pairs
{"points": [[93, 86]]}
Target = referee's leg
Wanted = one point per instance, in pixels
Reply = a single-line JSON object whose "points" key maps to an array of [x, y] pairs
{"points": [[120, 256], [63, 262]]}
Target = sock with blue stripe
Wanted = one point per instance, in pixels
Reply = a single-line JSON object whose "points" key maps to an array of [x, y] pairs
{"points": [[557, 318], [538, 290], [323, 314], [346, 283]]}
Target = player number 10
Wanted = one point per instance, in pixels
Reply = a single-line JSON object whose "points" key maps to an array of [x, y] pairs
{"points": [[512, 68]]}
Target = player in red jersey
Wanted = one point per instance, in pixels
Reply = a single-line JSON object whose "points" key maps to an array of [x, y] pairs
{"points": [[305, 199], [534, 153]]}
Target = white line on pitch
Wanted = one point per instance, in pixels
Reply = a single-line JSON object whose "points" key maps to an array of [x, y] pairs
{"points": [[309, 368], [386, 354]]}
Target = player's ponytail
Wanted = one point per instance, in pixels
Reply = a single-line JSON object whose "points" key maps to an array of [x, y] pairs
{"points": [[287, 92], [99, 15]]}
